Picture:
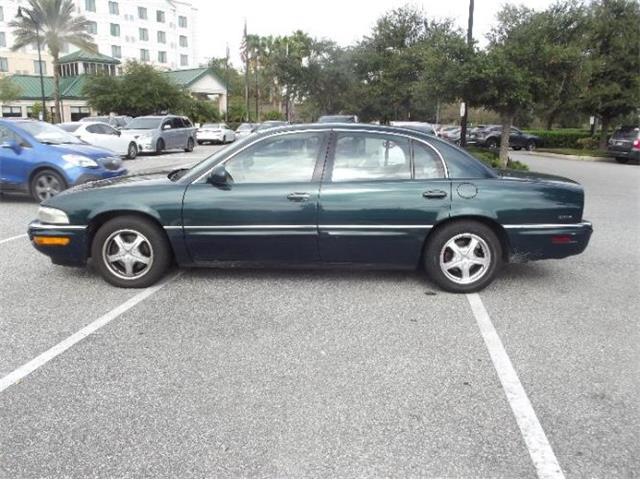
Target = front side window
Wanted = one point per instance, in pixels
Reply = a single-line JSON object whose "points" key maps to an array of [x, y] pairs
{"points": [[369, 156], [7, 135], [287, 158]]}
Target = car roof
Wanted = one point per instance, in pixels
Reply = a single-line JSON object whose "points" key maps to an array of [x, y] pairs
{"points": [[345, 126]]}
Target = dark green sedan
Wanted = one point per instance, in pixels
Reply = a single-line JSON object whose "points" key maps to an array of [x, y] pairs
{"points": [[322, 194]]}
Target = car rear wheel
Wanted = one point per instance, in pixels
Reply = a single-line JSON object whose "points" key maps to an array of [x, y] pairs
{"points": [[531, 146], [160, 146], [131, 252], [190, 145], [132, 151], [622, 160], [463, 257], [517, 148], [45, 184]]}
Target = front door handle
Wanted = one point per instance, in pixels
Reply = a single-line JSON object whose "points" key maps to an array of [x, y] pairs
{"points": [[434, 194], [298, 197]]}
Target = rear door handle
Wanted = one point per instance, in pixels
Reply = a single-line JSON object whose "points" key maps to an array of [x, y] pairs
{"points": [[298, 197], [434, 194]]}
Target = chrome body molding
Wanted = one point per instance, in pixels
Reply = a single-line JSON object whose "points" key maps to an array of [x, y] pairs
{"points": [[52, 226], [548, 225], [296, 227]]}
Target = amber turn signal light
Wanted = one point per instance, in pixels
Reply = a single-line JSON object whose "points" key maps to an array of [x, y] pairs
{"points": [[47, 241]]}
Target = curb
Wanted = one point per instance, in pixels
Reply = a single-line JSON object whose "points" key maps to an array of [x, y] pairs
{"points": [[583, 158]]}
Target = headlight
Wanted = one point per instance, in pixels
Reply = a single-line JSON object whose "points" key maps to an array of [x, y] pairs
{"points": [[52, 215], [79, 160]]}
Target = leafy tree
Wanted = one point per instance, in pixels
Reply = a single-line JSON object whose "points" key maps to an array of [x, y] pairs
{"points": [[9, 91], [613, 88], [58, 25], [199, 111]]}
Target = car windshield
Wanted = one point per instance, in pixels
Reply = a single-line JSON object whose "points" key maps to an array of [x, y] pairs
{"points": [[49, 134], [626, 133], [336, 119], [143, 123], [69, 127]]}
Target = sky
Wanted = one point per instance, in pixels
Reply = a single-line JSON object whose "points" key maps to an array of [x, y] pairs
{"points": [[220, 22]]}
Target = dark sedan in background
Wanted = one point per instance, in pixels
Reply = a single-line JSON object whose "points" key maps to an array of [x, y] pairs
{"points": [[330, 194], [490, 135]]}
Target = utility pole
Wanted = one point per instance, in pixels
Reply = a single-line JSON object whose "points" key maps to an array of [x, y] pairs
{"points": [[257, 88], [464, 107], [226, 85], [246, 72]]}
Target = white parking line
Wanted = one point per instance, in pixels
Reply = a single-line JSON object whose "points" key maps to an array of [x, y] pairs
{"points": [[21, 372], [534, 437], [5, 240]]}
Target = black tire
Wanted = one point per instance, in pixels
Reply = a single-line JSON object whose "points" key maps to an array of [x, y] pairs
{"points": [[517, 148], [190, 145], [160, 146], [154, 247], [622, 160], [492, 143], [200, 142], [132, 151], [437, 246], [531, 146], [46, 184]]}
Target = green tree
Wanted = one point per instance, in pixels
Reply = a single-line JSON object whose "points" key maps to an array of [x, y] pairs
{"points": [[613, 49], [58, 25], [9, 91]]}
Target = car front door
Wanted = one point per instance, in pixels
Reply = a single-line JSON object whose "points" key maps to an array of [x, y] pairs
{"points": [[516, 138], [16, 158], [267, 211], [380, 196], [166, 131]]}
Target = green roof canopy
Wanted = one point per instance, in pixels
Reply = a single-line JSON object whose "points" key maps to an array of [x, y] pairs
{"points": [[70, 87], [185, 78], [92, 57]]}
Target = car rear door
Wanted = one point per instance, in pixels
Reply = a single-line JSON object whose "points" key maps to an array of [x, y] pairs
{"points": [[268, 213], [380, 196]]}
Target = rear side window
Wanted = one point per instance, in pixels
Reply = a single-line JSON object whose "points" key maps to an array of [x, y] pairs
{"points": [[462, 165], [368, 156]]}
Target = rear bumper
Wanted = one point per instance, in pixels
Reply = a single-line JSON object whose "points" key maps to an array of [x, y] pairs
{"points": [[538, 242], [73, 254], [630, 154]]}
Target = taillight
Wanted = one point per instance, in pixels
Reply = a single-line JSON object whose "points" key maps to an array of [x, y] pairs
{"points": [[636, 144]]}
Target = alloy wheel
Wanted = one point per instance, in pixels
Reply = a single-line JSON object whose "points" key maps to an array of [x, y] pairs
{"points": [[465, 258], [46, 186], [128, 254]]}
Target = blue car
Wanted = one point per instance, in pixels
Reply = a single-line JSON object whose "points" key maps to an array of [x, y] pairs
{"points": [[41, 159]]}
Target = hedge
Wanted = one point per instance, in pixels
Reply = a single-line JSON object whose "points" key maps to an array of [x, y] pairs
{"points": [[565, 138], [492, 158]]}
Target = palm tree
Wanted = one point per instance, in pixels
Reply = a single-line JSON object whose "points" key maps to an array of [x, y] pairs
{"points": [[54, 23]]}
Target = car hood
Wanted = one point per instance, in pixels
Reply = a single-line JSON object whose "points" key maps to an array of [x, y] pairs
{"points": [[143, 179], [534, 177], [83, 149]]}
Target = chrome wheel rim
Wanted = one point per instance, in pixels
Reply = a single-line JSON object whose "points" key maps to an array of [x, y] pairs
{"points": [[465, 258], [46, 186], [128, 254], [133, 151]]}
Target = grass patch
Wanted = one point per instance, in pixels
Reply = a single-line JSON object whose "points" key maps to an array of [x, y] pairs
{"points": [[574, 151], [492, 159]]}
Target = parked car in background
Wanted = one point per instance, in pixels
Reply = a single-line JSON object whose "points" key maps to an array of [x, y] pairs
{"points": [[102, 135], [624, 144], [270, 124], [490, 137], [419, 126], [215, 133], [42, 160], [157, 133], [245, 129], [356, 195], [338, 119], [116, 121], [451, 134]]}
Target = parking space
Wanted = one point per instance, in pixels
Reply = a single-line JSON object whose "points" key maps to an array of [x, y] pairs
{"points": [[328, 373]]}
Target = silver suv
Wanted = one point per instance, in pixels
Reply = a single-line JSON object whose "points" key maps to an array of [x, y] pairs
{"points": [[157, 133]]}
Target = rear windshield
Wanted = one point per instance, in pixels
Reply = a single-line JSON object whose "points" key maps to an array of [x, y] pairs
{"points": [[626, 134], [143, 123]]}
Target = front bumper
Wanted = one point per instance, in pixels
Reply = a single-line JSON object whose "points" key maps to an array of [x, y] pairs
{"points": [[73, 254], [538, 242], [210, 137]]}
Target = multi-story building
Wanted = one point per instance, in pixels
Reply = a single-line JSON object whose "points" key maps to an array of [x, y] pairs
{"points": [[159, 32]]}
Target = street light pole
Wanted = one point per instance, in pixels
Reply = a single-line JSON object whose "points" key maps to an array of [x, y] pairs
{"points": [[30, 14]]}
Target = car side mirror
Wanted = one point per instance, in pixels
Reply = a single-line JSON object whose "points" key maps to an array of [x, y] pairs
{"points": [[219, 177], [11, 145]]}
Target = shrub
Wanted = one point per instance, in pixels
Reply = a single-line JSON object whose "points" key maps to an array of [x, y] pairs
{"points": [[564, 138], [273, 115], [492, 159], [588, 143]]}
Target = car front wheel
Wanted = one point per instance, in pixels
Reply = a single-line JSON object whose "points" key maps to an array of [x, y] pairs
{"points": [[190, 145], [132, 151], [46, 184], [463, 257], [492, 143], [531, 146], [131, 252]]}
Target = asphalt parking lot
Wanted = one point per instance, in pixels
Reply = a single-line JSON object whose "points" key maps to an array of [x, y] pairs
{"points": [[236, 373]]}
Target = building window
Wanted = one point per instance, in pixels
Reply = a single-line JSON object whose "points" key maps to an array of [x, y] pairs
{"points": [[116, 51], [1, 14], [90, 5], [142, 13], [183, 41], [182, 21], [115, 30], [184, 60], [79, 112], [113, 8], [144, 55], [92, 28], [3, 39], [162, 37], [39, 67], [162, 57], [160, 16], [4, 64], [15, 112], [143, 34]]}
